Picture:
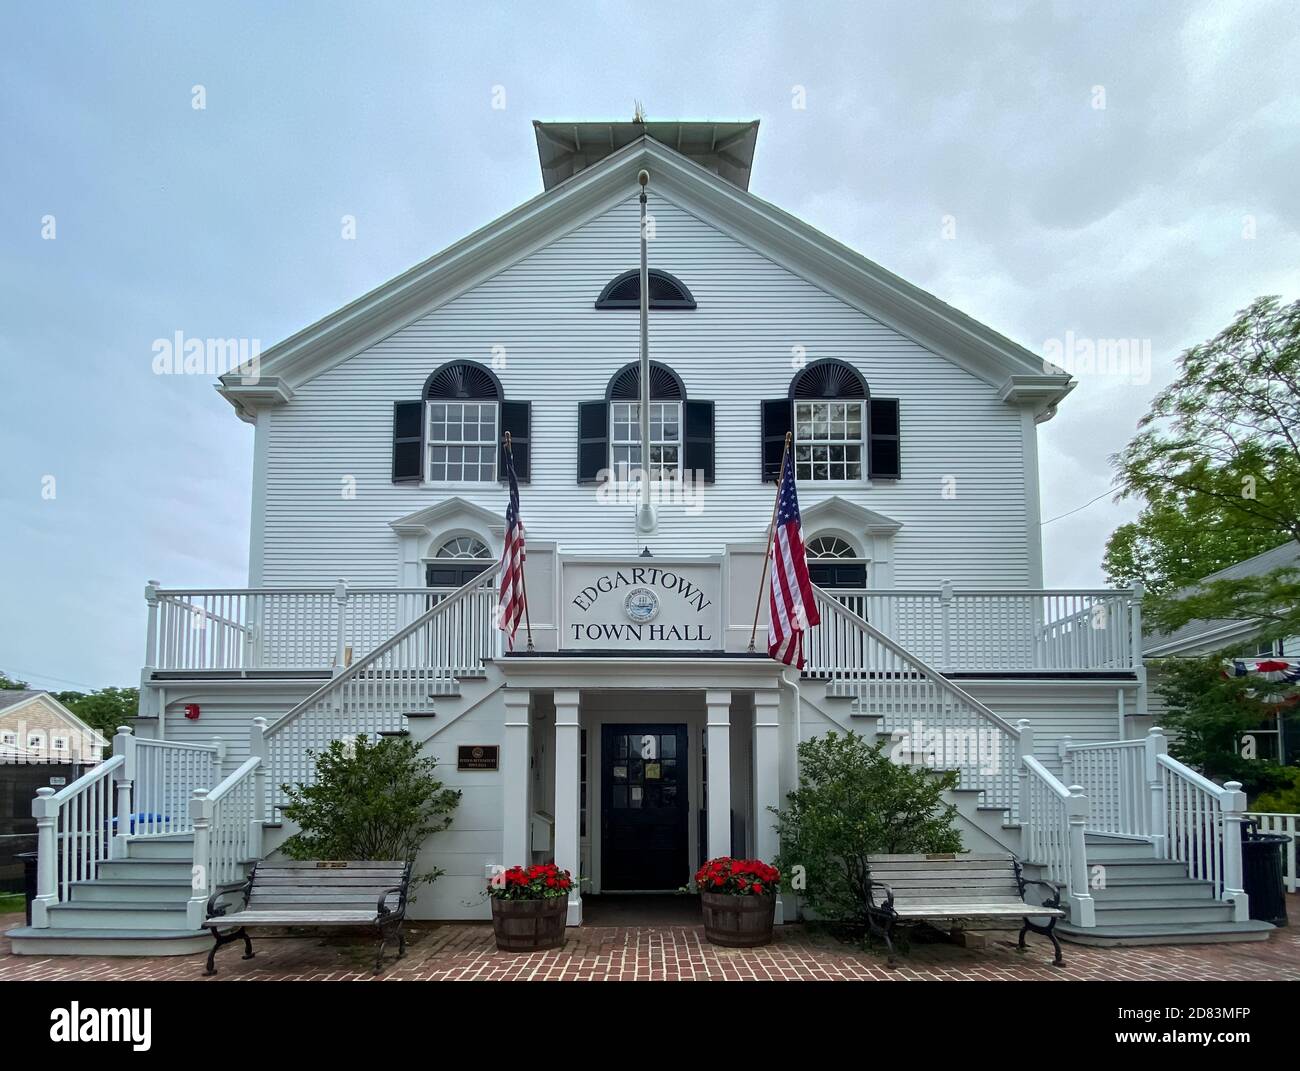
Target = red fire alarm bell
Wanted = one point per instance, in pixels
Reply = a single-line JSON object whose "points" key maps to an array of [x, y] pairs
{"points": [[192, 711]]}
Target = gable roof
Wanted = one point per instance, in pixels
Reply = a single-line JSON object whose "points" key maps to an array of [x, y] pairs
{"points": [[1018, 373], [11, 700]]}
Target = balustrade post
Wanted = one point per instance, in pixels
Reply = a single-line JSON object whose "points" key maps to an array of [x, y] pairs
{"points": [[123, 744], [1233, 805], [257, 748], [219, 760], [151, 659], [201, 818], [1083, 911], [340, 627], [1067, 760], [1024, 749], [46, 813], [1154, 746], [945, 620], [1135, 647]]}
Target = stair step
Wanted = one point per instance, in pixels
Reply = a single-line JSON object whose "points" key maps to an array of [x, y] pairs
{"points": [[161, 848], [130, 890], [1181, 933], [142, 915], [91, 941], [145, 868], [1166, 911], [1174, 888]]}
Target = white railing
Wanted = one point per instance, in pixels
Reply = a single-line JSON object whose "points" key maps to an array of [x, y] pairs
{"points": [[949, 726], [1289, 826], [1031, 630], [228, 826], [372, 696], [236, 629], [1052, 834], [1202, 829], [75, 830], [163, 774], [1115, 776]]}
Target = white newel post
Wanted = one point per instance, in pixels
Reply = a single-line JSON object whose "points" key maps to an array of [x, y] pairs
{"points": [[718, 733], [257, 749], [1234, 807], [1082, 907], [1020, 813], [201, 816], [124, 745], [47, 857], [219, 760], [945, 620], [1067, 760], [1154, 746], [568, 754], [151, 658], [514, 778], [1135, 650], [340, 625], [767, 780]]}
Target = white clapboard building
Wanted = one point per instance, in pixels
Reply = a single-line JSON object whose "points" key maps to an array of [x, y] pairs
{"points": [[639, 736]]}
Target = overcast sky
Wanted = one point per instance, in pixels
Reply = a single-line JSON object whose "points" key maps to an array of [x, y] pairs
{"points": [[1059, 171]]}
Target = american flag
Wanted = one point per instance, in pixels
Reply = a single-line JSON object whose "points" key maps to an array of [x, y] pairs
{"points": [[513, 595], [791, 607]]}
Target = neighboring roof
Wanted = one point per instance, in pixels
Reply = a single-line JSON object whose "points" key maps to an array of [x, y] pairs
{"points": [[1214, 634], [724, 149], [12, 699], [1019, 374], [11, 696]]}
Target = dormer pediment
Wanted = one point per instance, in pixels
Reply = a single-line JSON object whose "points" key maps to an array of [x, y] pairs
{"points": [[837, 512], [449, 513]]}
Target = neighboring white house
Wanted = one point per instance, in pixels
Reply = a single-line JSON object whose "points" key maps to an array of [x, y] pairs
{"points": [[36, 727], [640, 735]]}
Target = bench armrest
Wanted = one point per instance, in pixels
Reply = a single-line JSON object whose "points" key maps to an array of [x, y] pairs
{"points": [[872, 885], [1050, 886], [382, 909], [216, 910]]}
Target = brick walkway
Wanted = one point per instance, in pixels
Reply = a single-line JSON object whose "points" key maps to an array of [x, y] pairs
{"points": [[466, 952]]}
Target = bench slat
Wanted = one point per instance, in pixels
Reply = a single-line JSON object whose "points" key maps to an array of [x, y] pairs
{"points": [[961, 911], [332, 864], [294, 918]]}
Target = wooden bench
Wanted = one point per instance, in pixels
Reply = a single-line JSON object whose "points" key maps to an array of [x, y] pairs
{"points": [[917, 888], [314, 893]]}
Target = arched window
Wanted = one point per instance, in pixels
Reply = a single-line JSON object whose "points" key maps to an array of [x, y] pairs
{"points": [[454, 432], [667, 393], [463, 547], [624, 291], [456, 562], [840, 433], [830, 547], [833, 562]]}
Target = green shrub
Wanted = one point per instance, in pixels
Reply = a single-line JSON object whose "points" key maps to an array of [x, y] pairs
{"points": [[1283, 800], [852, 802], [376, 800]]}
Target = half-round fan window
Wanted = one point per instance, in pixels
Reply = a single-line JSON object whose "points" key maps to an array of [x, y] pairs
{"points": [[463, 547], [829, 378], [665, 384], [830, 547], [666, 291], [463, 380]]}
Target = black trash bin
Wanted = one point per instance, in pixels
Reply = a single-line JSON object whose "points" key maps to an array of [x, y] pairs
{"points": [[29, 879], [1261, 872]]}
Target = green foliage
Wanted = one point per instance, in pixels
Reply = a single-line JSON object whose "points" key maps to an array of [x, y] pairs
{"points": [[852, 802], [1216, 462], [1282, 800], [1207, 713], [10, 684], [377, 800], [104, 709]]}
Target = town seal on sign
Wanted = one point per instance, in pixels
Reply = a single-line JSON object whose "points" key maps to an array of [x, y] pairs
{"points": [[641, 605]]}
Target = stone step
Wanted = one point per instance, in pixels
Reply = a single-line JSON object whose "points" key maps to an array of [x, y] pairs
{"points": [[129, 890], [110, 915], [29, 941], [1155, 933]]}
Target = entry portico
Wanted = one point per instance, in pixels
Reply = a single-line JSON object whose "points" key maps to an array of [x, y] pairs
{"points": [[680, 753]]}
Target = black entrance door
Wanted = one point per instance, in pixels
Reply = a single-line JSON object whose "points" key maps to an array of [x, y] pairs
{"points": [[644, 807]]}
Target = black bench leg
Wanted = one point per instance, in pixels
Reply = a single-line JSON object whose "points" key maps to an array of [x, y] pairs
{"points": [[212, 954], [219, 939], [401, 941], [379, 957], [248, 944], [1047, 931]]}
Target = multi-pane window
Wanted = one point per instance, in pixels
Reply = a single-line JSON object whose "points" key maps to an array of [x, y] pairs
{"points": [[462, 439], [665, 439], [828, 440], [60, 743]]}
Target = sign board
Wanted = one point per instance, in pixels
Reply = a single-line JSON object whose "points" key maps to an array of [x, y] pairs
{"points": [[641, 605], [478, 757], [60, 781]]}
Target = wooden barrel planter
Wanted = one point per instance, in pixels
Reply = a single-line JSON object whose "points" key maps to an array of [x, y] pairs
{"points": [[529, 925], [738, 921]]}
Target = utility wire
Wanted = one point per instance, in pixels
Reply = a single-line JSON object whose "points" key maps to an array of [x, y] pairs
{"points": [[1110, 490]]}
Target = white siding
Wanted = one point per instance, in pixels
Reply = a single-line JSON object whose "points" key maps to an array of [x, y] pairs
{"points": [[735, 349]]}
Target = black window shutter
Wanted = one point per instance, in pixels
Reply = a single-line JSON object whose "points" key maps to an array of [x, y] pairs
{"points": [[776, 424], [408, 442], [883, 448], [516, 418], [699, 453], [593, 440]]}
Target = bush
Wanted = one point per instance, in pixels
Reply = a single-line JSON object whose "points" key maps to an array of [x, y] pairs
{"points": [[542, 881], [376, 800], [852, 802], [1283, 800]]}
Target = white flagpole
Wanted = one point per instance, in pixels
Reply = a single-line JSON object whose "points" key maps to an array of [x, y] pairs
{"points": [[645, 520]]}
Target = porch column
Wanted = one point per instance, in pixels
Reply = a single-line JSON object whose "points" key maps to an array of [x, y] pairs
{"points": [[568, 753], [517, 752], [767, 779], [719, 804]]}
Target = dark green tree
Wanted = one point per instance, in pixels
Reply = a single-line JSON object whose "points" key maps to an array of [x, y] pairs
{"points": [[104, 709], [9, 684]]}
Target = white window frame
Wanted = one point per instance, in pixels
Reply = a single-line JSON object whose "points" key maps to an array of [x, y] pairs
{"points": [[448, 443], [35, 740], [805, 471], [60, 743], [627, 414], [9, 738]]}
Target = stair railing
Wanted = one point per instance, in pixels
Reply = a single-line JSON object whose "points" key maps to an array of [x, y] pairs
{"points": [[162, 775], [227, 827], [943, 720], [373, 696], [1053, 818], [1116, 776]]}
